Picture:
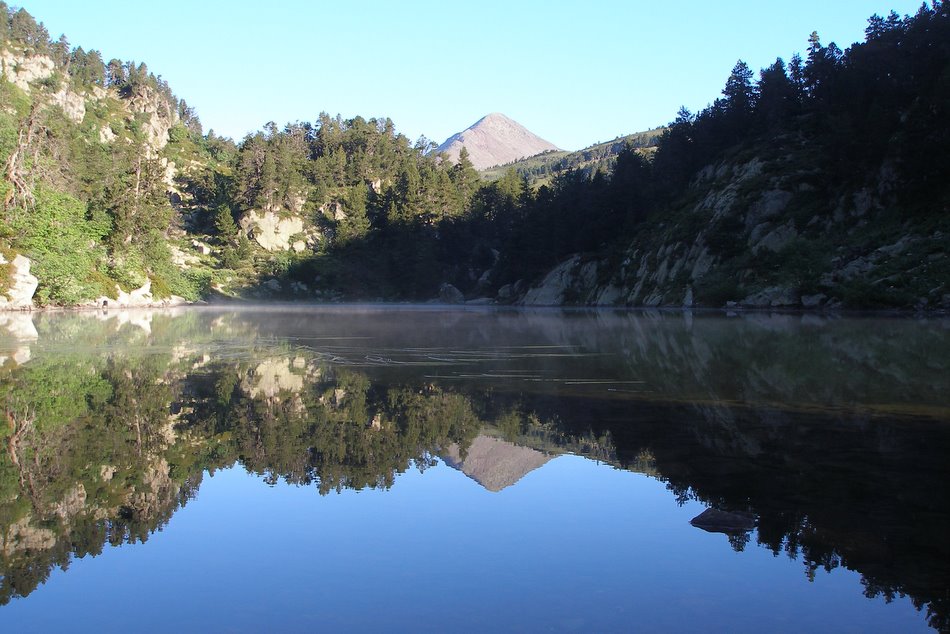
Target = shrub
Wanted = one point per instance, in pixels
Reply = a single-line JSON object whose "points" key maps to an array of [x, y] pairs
{"points": [[63, 246]]}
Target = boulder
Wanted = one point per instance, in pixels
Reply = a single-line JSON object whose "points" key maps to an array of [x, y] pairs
{"points": [[22, 286], [553, 287], [448, 294], [716, 521], [772, 297]]}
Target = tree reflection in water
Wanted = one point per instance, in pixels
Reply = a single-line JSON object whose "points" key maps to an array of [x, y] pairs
{"points": [[830, 436]]}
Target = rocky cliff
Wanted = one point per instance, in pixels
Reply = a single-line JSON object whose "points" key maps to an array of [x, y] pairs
{"points": [[754, 233], [104, 145]]}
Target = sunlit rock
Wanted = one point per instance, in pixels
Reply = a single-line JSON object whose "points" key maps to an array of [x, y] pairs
{"points": [[495, 464], [22, 70], [73, 105], [271, 231], [22, 286]]}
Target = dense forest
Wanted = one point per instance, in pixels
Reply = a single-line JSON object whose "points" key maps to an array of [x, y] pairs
{"points": [[823, 182]]}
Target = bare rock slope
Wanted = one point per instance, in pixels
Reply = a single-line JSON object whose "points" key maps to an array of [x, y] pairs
{"points": [[495, 140], [493, 463]]}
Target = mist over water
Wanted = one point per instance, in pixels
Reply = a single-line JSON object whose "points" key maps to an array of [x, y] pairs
{"points": [[367, 467]]}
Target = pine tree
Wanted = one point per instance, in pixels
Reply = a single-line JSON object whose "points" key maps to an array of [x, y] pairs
{"points": [[739, 92]]}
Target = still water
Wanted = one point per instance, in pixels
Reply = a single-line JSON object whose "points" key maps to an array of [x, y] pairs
{"points": [[398, 468]]}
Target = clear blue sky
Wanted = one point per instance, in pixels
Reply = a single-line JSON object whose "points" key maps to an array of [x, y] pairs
{"points": [[573, 72]]}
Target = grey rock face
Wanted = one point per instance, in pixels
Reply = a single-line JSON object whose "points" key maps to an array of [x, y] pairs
{"points": [[448, 294]]}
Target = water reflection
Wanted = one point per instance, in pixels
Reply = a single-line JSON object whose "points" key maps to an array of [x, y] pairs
{"points": [[821, 439]]}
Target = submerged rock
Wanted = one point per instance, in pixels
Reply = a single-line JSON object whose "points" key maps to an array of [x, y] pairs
{"points": [[716, 521]]}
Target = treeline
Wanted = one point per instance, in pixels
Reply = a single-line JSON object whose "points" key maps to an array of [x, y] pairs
{"points": [[84, 68], [875, 111], [596, 158], [388, 218], [882, 100], [368, 174]]}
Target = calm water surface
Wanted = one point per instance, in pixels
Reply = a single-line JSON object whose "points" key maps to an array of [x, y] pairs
{"points": [[391, 469]]}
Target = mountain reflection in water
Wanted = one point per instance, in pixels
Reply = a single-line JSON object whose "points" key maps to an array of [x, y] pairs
{"points": [[823, 439]]}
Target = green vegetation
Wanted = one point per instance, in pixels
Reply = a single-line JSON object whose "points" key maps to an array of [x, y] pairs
{"points": [[598, 158], [129, 189], [85, 195]]}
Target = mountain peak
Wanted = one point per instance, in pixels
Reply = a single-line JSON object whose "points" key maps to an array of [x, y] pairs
{"points": [[493, 116], [495, 139]]}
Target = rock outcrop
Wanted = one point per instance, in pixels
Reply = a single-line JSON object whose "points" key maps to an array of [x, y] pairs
{"points": [[274, 232], [23, 70], [21, 286], [73, 104], [751, 234], [160, 117], [136, 298]]}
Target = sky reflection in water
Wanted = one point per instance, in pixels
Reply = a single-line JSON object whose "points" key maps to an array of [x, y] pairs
{"points": [[762, 415]]}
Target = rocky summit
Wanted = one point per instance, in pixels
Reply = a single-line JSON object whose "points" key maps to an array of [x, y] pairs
{"points": [[495, 140]]}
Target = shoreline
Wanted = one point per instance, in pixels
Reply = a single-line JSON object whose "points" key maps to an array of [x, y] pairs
{"points": [[481, 307]]}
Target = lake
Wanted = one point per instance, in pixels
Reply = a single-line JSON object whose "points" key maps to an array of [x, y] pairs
{"points": [[361, 468]]}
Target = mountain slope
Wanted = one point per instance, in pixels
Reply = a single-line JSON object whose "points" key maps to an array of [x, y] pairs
{"points": [[99, 166], [495, 140], [600, 157], [495, 464]]}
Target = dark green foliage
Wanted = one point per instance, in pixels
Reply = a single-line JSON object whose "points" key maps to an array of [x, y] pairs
{"points": [[387, 218], [93, 212], [542, 169], [224, 224]]}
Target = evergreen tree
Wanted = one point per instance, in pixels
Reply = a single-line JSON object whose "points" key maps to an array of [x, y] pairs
{"points": [[777, 95], [224, 224], [739, 92], [26, 31], [464, 176]]}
